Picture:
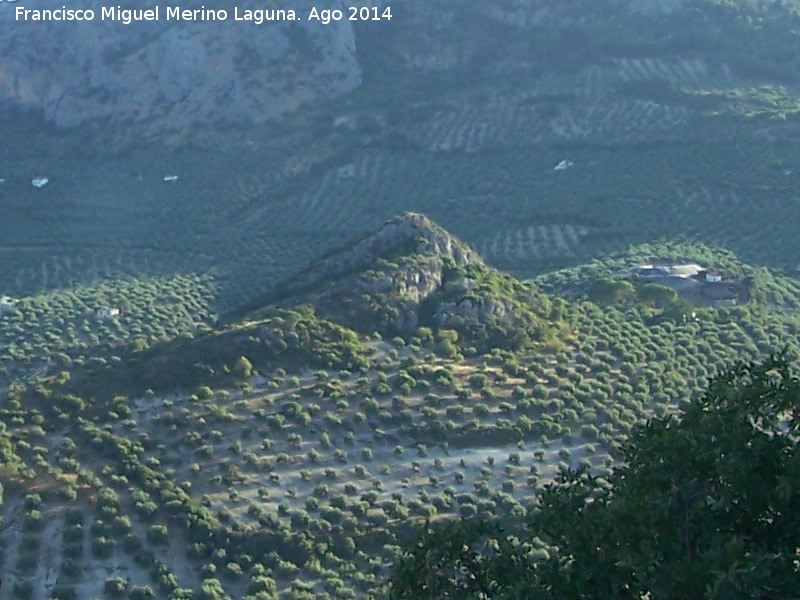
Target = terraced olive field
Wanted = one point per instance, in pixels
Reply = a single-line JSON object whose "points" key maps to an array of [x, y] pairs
{"points": [[250, 210], [256, 207], [190, 448], [302, 483], [611, 197]]}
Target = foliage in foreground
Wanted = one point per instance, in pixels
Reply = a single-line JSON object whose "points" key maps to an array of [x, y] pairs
{"points": [[706, 505]]}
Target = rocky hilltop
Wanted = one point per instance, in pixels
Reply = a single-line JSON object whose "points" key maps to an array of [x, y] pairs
{"points": [[411, 273], [404, 235], [164, 75]]}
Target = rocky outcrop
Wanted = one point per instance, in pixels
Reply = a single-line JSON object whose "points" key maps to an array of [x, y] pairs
{"points": [[167, 75], [480, 309], [412, 273], [410, 234]]}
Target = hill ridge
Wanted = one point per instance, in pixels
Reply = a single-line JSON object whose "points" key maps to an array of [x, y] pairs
{"points": [[412, 273], [408, 233]]}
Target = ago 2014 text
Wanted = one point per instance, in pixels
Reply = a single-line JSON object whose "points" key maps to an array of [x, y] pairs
{"points": [[353, 14]]}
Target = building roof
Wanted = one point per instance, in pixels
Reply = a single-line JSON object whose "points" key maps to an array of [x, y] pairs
{"points": [[685, 270]]}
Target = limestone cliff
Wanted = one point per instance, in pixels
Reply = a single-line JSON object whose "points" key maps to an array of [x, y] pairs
{"points": [[167, 75]]}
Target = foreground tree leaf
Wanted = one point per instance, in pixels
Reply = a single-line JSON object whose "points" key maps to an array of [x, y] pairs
{"points": [[706, 505]]}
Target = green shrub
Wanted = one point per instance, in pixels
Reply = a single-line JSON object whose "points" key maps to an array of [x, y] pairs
{"points": [[115, 586]]}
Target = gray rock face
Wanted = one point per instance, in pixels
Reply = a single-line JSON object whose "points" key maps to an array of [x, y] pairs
{"points": [[412, 233], [407, 286], [166, 75], [169, 75]]}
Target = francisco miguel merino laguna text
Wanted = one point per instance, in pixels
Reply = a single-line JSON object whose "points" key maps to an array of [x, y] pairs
{"points": [[175, 13]]}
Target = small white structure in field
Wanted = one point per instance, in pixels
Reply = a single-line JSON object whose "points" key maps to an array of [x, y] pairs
{"points": [[106, 313], [39, 182], [344, 122], [713, 278], [563, 165], [170, 178], [2, 180], [6, 304]]}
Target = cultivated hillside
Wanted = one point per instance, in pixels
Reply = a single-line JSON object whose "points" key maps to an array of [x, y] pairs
{"points": [[242, 359], [671, 128], [286, 454]]}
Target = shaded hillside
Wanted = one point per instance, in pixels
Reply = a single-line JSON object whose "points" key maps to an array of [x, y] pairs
{"points": [[285, 452], [289, 339]]}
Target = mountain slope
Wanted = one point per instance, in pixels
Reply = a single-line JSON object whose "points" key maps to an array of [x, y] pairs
{"points": [[410, 278], [294, 477], [174, 74]]}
